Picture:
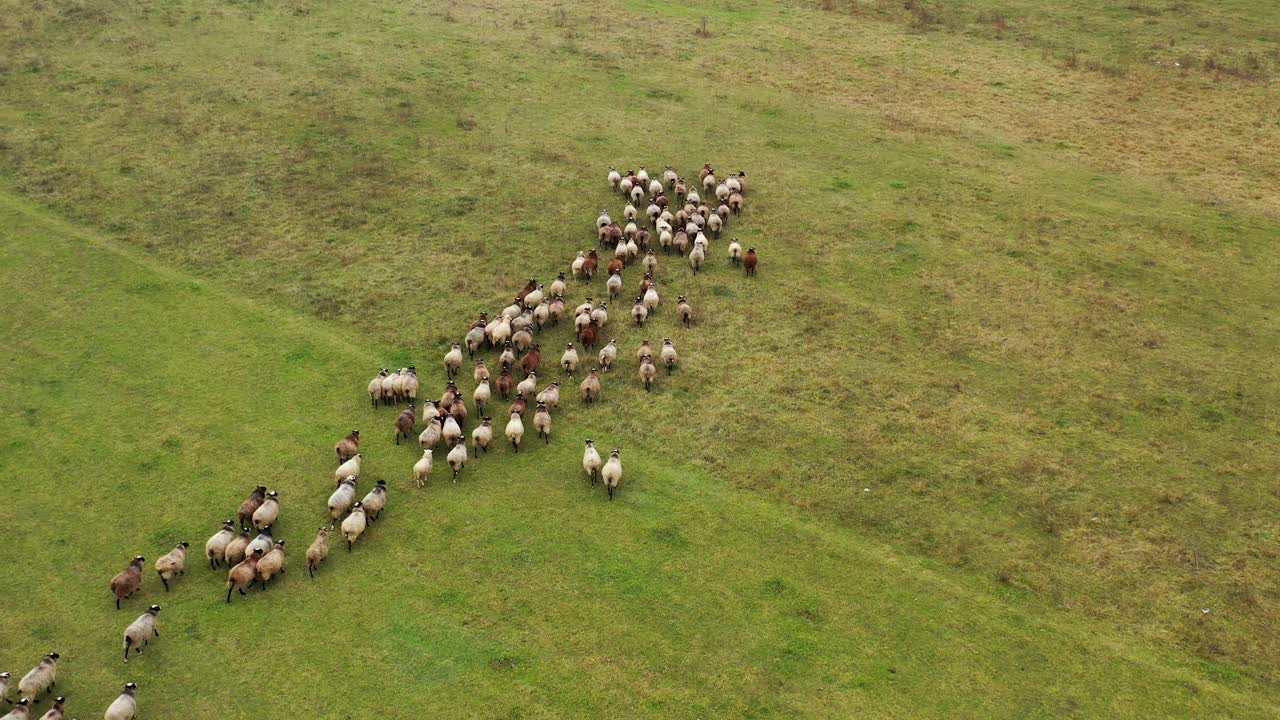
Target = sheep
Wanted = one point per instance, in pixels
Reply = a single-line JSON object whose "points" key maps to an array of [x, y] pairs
{"points": [[681, 189], [519, 404], [542, 314], [216, 545], [4, 686], [590, 387], [542, 422], [389, 388], [263, 541], [236, 549], [508, 354], [639, 313], [480, 374], [655, 187], [734, 182], [348, 469], [531, 360], [515, 431], [647, 372], [499, 332], [243, 574], [651, 299], [630, 230], [557, 286], [251, 505], [482, 436], [453, 360], [600, 316], [654, 210], [588, 335], [614, 284], [21, 710], [266, 514], [41, 678], [642, 175], [569, 360], [529, 386], [611, 473], [709, 182], [749, 262], [697, 256], [422, 468], [431, 409], [666, 240], [735, 203], [271, 564], [446, 398], [685, 311], [55, 711], [481, 395], [534, 296], [347, 446], [723, 212], [669, 176], [318, 551], [714, 223], [668, 356], [375, 387], [451, 430], [637, 194], [608, 354], [578, 265], [633, 249], [550, 395], [375, 501], [139, 632], [354, 525], [681, 242], [505, 383], [650, 262], [342, 499], [124, 707], [618, 262], [398, 386], [614, 178], [645, 349], [735, 252], [172, 563], [405, 422], [693, 198], [430, 434], [127, 581], [630, 213], [722, 192], [458, 411], [590, 265], [604, 218], [581, 321], [556, 310], [457, 458]]}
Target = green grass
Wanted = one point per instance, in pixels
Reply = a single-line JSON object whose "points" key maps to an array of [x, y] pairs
{"points": [[1029, 306]]}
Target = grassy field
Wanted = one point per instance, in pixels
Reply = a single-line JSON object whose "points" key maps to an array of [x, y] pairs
{"points": [[992, 429]]}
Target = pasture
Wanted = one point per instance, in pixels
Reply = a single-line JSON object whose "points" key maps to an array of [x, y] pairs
{"points": [[991, 434]]}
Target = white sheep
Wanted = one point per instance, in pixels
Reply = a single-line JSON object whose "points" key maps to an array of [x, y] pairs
{"points": [[139, 632], [614, 178], [342, 499], [457, 458], [375, 387], [669, 357], [608, 354], [350, 468], [124, 707], [422, 468], [515, 430], [568, 361], [591, 462], [611, 473], [697, 256], [735, 252]]}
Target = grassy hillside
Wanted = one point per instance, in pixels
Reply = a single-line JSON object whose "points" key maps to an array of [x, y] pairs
{"points": [[1017, 281]]}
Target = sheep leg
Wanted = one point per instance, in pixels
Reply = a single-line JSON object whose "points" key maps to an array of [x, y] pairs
{"points": [[228, 596], [311, 570], [157, 632], [117, 602], [126, 649]]}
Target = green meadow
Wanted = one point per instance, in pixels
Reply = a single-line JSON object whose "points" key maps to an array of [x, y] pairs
{"points": [[993, 433]]}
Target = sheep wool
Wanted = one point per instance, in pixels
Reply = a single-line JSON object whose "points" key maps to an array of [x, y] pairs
{"points": [[172, 563], [140, 631], [124, 707]]}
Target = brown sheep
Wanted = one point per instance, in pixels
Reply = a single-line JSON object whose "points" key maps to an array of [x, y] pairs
{"points": [[531, 360], [348, 446], [590, 387], [405, 422], [243, 574], [749, 262], [251, 505], [505, 383], [318, 551], [127, 581]]}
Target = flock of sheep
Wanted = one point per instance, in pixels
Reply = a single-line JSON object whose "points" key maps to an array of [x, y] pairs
{"points": [[512, 335]]}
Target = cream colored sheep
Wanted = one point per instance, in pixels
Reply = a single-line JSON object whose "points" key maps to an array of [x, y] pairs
{"points": [[124, 707], [515, 431], [140, 631], [172, 564]]}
